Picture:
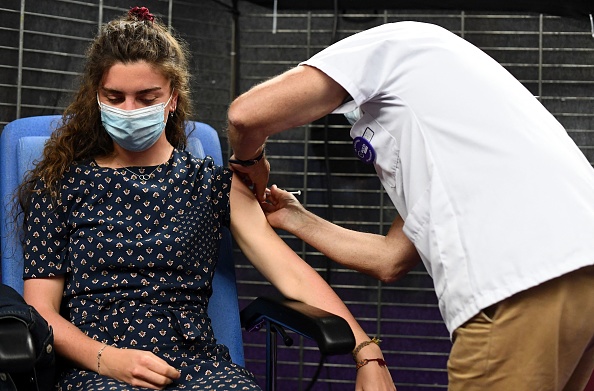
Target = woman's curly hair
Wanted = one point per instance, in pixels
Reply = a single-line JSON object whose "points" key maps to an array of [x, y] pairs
{"points": [[137, 36]]}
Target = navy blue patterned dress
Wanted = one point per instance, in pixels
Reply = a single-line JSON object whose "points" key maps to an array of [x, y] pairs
{"points": [[138, 258]]}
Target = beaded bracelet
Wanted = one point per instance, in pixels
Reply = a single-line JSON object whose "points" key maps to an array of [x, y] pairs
{"points": [[380, 361], [99, 353], [363, 344]]}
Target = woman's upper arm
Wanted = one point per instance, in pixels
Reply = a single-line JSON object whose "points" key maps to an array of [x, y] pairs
{"points": [[269, 254], [44, 293], [46, 236]]}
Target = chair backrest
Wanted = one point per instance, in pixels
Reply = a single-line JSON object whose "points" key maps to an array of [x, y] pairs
{"points": [[21, 145]]}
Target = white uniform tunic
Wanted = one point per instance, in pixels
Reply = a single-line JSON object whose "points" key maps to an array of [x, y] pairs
{"points": [[495, 195]]}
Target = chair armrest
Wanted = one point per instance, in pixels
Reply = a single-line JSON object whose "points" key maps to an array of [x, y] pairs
{"points": [[17, 351], [331, 332]]}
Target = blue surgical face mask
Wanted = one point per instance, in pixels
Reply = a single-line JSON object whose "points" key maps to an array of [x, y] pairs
{"points": [[134, 130]]}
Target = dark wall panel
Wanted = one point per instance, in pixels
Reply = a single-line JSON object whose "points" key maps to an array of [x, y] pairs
{"points": [[40, 60]]}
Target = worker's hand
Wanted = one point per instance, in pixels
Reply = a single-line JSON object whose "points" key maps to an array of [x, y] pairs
{"points": [[138, 368], [282, 209], [254, 176]]}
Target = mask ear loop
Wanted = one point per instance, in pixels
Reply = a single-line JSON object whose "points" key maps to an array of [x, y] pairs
{"points": [[172, 112], [170, 96]]}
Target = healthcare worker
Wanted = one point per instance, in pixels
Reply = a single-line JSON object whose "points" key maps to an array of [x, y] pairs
{"points": [[493, 196]]}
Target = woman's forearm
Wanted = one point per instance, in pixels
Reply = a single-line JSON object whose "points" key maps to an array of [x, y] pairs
{"points": [[277, 262], [69, 341]]}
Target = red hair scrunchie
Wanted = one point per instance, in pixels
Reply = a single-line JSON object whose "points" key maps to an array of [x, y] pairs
{"points": [[141, 13]]}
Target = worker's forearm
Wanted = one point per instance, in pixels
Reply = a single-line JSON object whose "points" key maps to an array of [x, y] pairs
{"points": [[295, 98], [379, 256], [245, 144], [250, 122]]}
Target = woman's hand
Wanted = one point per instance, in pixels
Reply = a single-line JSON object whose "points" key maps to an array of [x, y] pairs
{"points": [[138, 368], [373, 376]]}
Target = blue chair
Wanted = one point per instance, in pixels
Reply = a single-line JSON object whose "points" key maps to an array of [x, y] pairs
{"points": [[21, 145]]}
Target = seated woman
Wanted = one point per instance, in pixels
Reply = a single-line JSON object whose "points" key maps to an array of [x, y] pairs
{"points": [[123, 226]]}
